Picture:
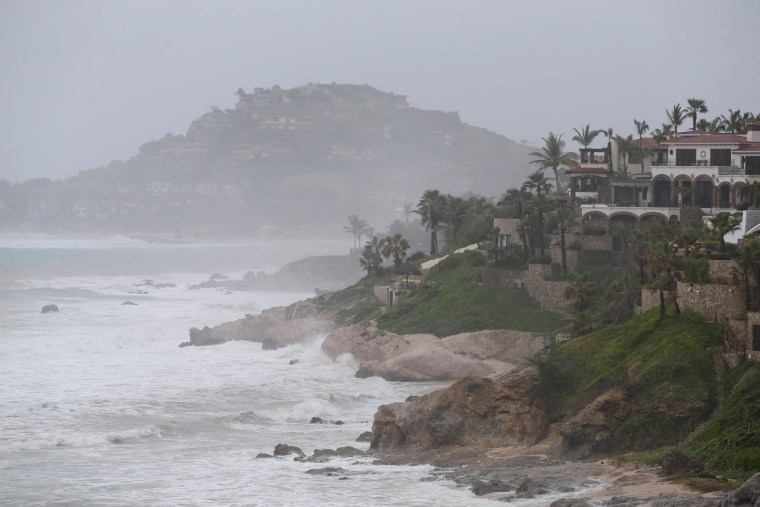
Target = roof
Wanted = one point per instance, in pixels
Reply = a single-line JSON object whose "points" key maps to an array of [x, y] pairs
{"points": [[709, 139], [648, 143], [750, 148], [587, 170]]}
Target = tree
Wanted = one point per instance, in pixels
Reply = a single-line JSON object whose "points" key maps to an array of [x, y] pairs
{"points": [[732, 123], [580, 291], [553, 155], [408, 210], [676, 116], [357, 227], [609, 134], [539, 205], [565, 218], [585, 136], [722, 224], [748, 261], [641, 128], [432, 210], [395, 246], [626, 146], [372, 256], [456, 214], [663, 260], [696, 106]]}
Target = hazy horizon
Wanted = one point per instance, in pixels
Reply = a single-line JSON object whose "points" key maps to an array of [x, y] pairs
{"points": [[89, 81]]}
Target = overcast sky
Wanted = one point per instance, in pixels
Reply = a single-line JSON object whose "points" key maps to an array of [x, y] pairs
{"points": [[84, 82]]}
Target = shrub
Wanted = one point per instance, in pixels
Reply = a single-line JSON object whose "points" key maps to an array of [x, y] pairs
{"points": [[695, 270]]}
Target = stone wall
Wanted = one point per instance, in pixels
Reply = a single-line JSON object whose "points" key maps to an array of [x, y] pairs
{"points": [[716, 302], [651, 299], [549, 294], [720, 271], [596, 242], [381, 293], [571, 257]]}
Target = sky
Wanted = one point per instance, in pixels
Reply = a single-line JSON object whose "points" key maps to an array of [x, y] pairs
{"points": [[84, 82]]}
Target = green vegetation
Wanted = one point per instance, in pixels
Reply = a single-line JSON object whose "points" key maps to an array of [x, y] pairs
{"points": [[730, 444], [661, 363], [454, 301]]}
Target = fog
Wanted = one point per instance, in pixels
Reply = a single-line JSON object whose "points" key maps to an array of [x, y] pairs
{"points": [[85, 82]]}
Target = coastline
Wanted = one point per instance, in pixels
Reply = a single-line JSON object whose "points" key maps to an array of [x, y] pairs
{"points": [[535, 467]]}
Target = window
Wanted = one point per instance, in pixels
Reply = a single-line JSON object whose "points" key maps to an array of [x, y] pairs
{"points": [[756, 338], [686, 157], [720, 157]]}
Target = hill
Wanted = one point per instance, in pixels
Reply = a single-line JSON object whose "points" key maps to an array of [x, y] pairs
{"points": [[300, 159]]}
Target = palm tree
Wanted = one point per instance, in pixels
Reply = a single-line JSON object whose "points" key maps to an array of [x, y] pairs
{"points": [[553, 155], [580, 291], [676, 116], [722, 224], [641, 128], [733, 122], [748, 260], [696, 106], [626, 146], [565, 218], [357, 227], [395, 246], [456, 213], [663, 260], [408, 210], [539, 204], [432, 210], [372, 256], [585, 136], [609, 134]]}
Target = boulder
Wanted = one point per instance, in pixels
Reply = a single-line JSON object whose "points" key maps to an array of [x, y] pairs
{"points": [[675, 462], [273, 328], [49, 309], [328, 471], [128, 303], [471, 411], [424, 357], [748, 494], [218, 276], [365, 437], [322, 455], [286, 450]]}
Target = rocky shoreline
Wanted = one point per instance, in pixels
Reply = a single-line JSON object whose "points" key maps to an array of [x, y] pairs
{"points": [[483, 431]]}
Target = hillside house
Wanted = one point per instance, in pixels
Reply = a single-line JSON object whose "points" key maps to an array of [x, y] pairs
{"points": [[708, 171]]}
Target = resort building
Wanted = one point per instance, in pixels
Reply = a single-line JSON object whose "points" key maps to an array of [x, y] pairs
{"points": [[709, 172]]}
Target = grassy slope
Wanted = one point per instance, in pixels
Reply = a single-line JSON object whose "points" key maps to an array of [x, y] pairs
{"points": [[453, 301], [730, 444], [662, 363]]}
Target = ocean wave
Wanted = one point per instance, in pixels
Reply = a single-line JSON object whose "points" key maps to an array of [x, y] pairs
{"points": [[243, 420]]}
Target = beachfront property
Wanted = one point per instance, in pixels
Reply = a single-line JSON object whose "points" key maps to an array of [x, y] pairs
{"points": [[709, 172]]}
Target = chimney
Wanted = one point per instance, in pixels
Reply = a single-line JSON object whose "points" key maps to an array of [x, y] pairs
{"points": [[753, 131]]}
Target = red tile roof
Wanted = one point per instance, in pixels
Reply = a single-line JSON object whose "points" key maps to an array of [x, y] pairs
{"points": [[648, 143], [709, 139], [749, 148]]}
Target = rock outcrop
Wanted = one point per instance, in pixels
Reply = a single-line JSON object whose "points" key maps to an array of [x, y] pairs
{"points": [[471, 411], [424, 357], [49, 309], [274, 328], [748, 495]]}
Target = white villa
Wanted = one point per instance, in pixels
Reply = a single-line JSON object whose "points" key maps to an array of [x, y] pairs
{"points": [[711, 172]]}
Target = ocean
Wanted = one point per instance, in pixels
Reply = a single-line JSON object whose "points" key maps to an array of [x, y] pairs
{"points": [[99, 406]]}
